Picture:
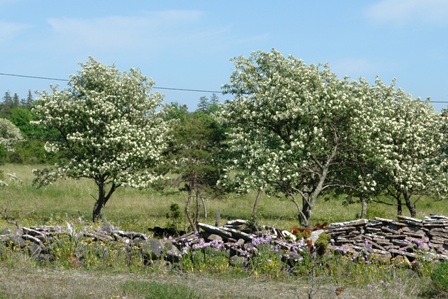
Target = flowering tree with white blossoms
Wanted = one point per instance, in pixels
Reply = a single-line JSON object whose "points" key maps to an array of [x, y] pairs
{"points": [[10, 135], [410, 148], [291, 126], [109, 130]]}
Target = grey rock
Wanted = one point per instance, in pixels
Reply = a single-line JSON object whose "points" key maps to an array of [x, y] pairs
{"points": [[107, 227], [32, 239], [153, 249], [238, 261], [18, 241], [315, 235], [34, 250], [214, 237], [6, 231]]}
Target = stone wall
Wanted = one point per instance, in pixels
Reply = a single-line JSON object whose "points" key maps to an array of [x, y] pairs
{"points": [[405, 237]]}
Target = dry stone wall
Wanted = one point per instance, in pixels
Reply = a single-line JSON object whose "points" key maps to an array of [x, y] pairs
{"points": [[405, 237]]}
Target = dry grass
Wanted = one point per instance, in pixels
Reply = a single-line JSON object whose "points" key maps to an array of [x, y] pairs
{"points": [[139, 209], [38, 283]]}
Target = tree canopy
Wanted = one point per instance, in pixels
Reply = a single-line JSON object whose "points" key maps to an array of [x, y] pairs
{"points": [[409, 151], [300, 130], [195, 153], [109, 130], [10, 135]]}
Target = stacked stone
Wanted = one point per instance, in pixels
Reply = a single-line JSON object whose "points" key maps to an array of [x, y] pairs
{"points": [[406, 236]]}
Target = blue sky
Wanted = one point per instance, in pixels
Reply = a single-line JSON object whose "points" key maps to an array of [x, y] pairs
{"points": [[189, 44]]}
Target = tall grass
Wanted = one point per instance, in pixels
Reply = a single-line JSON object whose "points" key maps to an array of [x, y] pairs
{"points": [[139, 209]]}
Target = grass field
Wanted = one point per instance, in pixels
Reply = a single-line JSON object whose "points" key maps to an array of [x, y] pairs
{"points": [[129, 209], [139, 209]]}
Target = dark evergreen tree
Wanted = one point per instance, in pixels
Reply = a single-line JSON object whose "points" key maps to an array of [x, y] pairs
{"points": [[209, 105], [214, 100], [15, 100], [203, 103], [28, 102], [6, 105], [193, 156]]}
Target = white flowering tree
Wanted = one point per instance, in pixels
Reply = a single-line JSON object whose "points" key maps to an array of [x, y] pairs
{"points": [[109, 130], [10, 135], [410, 148], [358, 173], [291, 126]]}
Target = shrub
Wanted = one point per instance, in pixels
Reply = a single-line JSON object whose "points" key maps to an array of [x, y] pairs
{"points": [[322, 243]]}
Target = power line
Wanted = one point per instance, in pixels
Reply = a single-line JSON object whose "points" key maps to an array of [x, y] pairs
{"points": [[32, 77], [155, 87], [66, 80], [187, 89]]}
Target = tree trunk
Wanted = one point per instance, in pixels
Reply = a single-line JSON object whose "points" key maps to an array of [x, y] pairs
{"points": [[399, 206], [309, 198], [363, 206], [218, 218], [102, 199], [257, 200], [98, 209], [198, 208], [299, 214], [187, 211], [305, 215], [205, 207], [411, 207]]}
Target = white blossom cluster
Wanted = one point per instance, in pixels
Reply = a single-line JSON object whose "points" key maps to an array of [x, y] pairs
{"points": [[408, 141], [287, 119], [109, 127], [10, 135]]}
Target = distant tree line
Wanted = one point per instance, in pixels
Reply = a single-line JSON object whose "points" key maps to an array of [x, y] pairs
{"points": [[31, 150]]}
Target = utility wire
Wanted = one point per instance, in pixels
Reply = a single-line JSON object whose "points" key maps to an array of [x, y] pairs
{"points": [[66, 80], [32, 77], [155, 87], [187, 89]]}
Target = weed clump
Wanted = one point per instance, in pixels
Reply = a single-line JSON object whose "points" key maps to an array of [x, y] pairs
{"points": [[321, 243]]}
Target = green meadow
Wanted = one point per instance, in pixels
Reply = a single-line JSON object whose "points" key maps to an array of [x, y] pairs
{"points": [[132, 209]]}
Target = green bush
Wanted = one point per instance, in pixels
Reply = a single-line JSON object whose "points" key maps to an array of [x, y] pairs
{"points": [[321, 243], [439, 276]]}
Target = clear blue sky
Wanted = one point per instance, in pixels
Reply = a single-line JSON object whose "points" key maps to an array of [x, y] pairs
{"points": [[189, 44]]}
